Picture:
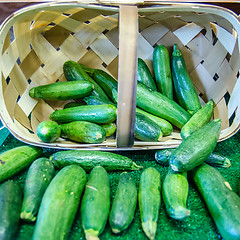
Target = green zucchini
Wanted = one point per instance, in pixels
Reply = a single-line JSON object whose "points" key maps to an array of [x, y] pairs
{"points": [[144, 75], [196, 148], [146, 129], [39, 175], [161, 106], [95, 100], [10, 205], [59, 204], [62, 90], [74, 72], [124, 204], [149, 198], [185, 91], [95, 203], [110, 128], [222, 203], [48, 131], [88, 159], [216, 160], [198, 120], [24, 155], [162, 71], [175, 192], [101, 114], [83, 132]]}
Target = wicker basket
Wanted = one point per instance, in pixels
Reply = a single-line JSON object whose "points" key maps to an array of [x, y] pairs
{"points": [[37, 40]]}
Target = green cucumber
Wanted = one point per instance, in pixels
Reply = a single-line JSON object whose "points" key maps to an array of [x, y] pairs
{"points": [[101, 114], [74, 72], [161, 106], [59, 204], [144, 75], [149, 199], [88, 159], [222, 203], [162, 71], [10, 205], [163, 124], [39, 175], [95, 203], [184, 88], [175, 192], [124, 204], [216, 160], [48, 131], [62, 90], [196, 148], [110, 128], [198, 120], [146, 129], [17, 159], [83, 132], [95, 100]]}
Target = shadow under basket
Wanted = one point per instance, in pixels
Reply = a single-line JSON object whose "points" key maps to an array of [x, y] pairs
{"points": [[38, 39]]}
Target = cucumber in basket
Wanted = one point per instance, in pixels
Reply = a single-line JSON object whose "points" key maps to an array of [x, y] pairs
{"points": [[95, 204], [101, 114], [17, 159], [39, 175], [59, 204], [110, 128], [184, 88], [88, 159], [62, 90], [222, 203], [10, 205]]}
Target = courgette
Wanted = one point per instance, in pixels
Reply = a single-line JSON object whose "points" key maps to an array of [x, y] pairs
{"points": [[162, 71], [95, 100], [88, 159], [17, 159], [39, 175], [101, 114], [149, 198], [59, 204], [196, 148], [62, 90], [110, 128], [144, 75], [175, 192], [183, 85], [10, 205], [222, 203], [124, 204], [95, 205]]}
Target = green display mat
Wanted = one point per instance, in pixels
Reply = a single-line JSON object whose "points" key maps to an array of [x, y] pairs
{"points": [[199, 225]]}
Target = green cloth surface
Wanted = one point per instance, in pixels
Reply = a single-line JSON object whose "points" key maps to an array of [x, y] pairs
{"points": [[199, 225]]}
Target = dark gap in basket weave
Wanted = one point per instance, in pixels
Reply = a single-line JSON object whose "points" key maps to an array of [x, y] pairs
{"points": [[19, 97], [87, 22], [202, 62], [228, 56], [104, 64], [11, 34], [31, 47], [204, 31], [155, 45], [29, 81], [105, 31], [30, 131], [227, 97], [215, 39], [201, 94], [88, 48], [237, 74], [66, 14], [58, 49], [18, 61], [42, 65], [231, 119], [8, 80], [215, 77], [51, 24]]}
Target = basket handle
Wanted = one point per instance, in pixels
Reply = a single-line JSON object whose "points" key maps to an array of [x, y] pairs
{"points": [[127, 75]]}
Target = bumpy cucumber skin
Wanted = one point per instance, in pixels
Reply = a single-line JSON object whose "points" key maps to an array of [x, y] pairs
{"points": [[48, 131], [95, 205], [146, 129], [39, 175], [88, 159], [62, 90], [198, 120], [161, 106], [101, 114], [83, 132], [149, 198], [59, 204], [124, 204], [196, 148], [110, 128], [10, 205], [74, 72], [162, 71], [16, 159], [184, 88], [175, 192], [144, 75], [223, 204]]}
